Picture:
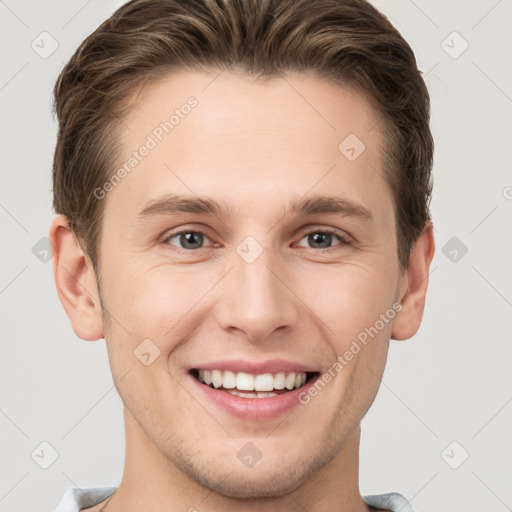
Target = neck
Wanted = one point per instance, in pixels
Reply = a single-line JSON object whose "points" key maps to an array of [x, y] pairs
{"points": [[152, 482]]}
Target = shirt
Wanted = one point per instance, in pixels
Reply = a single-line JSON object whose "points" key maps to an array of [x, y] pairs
{"points": [[75, 499]]}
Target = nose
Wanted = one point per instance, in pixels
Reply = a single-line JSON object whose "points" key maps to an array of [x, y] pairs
{"points": [[257, 299]]}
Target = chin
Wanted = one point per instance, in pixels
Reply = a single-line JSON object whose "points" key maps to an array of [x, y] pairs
{"points": [[276, 477], [251, 483]]}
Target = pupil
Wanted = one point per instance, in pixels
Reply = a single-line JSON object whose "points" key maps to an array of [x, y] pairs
{"points": [[188, 238], [318, 237]]}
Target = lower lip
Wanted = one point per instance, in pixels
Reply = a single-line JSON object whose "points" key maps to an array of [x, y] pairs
{"points": [[254, 408]]}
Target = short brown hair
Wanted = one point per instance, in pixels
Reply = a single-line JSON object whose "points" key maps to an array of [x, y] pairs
{"points": [[346, 41]]}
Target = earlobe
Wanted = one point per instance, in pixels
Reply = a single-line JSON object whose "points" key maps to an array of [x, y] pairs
{"points": [[414, 287], [76, 282]]}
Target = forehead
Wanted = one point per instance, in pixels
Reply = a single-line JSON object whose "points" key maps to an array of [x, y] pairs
{"points": [[230, 103], [242, 140]]}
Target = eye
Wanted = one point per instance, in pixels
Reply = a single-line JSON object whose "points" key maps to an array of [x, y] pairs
{"points": [[188, 239], [322, 238]]}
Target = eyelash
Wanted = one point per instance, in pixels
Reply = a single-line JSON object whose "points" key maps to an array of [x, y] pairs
{"points": [[345, 240]]}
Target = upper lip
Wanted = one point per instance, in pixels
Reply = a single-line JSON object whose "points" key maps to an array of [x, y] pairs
{"points": [[255, 367]]}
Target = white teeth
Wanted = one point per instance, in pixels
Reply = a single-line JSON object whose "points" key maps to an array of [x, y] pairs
{"points": [[243, 395], [262, 383], [229, 381], [245, 381], [261, 394], [279, 380], [247, 395], [217, 378], [290, 381]]}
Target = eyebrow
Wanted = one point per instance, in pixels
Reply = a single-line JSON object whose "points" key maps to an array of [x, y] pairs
{"points": [[324, 204]]}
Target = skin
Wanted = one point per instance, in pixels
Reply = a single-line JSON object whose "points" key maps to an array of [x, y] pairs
{"points": [[255, 146]]}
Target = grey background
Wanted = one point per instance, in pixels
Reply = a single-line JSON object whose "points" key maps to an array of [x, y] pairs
{"points": [[451, 382]]}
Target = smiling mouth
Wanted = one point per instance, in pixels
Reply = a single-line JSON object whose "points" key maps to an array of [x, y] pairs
{"points": [[247, 385]]}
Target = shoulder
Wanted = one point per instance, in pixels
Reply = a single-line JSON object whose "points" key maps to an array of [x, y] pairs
{"points": [[76, 499], [390, 502]]}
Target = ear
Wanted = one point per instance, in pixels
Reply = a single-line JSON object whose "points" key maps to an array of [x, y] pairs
{"points": [[413, 286], [76, 282]]}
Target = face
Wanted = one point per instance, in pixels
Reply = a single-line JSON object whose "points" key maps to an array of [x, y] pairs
{"points": [[267, 283]]}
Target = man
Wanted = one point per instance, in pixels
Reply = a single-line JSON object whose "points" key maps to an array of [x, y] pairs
{"points": [[242, 191]]}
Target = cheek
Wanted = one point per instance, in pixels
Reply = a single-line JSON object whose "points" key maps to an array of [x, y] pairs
{"points": [[351, 300], [150, 314], [151, 302], [362, 322]]}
